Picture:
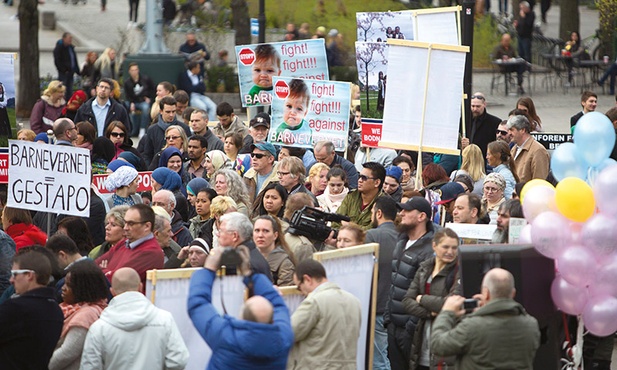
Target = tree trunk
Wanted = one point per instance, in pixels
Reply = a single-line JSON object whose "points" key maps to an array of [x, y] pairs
{"points": [[28, 89], [241, 21], [569, 19], [608, 18]]}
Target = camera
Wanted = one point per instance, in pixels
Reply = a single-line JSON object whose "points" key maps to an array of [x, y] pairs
{"points": [[469, 304], [230, 258], [313, 223]]}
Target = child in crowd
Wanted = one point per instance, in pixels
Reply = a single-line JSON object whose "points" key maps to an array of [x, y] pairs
{"points": [[267, 64]]}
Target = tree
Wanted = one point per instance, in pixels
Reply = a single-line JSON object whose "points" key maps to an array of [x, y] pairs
{"points": [[569, 18], [370, 57], [241, 21], [608, 17], [370, 22], [28, 92]]}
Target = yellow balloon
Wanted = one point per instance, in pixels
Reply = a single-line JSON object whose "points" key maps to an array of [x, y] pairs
{"points": [[575, 200], [532, 184]]}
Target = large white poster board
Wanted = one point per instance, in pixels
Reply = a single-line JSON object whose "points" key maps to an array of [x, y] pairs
{"points": [[169, 290], [426, 109], [49, 178], [438, 25]]}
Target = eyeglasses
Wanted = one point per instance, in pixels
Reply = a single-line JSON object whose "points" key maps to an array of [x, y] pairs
{"points": [[281, 173], [478, 97], [502, 132], [364, 178], [491, 189], [117, 134], [257, 155], [133, 223], [160, 204], [172, 137], [14, 273]]}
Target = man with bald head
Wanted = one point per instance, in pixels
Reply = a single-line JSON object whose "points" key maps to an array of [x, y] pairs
{"points": [[504, 51], [482, 127], [327, 323], [498, 334], [260, 338], [65, 132], [129, 325]]}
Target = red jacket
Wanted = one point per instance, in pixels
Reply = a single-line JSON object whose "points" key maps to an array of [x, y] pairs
{"points": [[26, 235], [146, 256]]}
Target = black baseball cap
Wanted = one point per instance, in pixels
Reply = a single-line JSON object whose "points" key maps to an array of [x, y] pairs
{"points": [[417, 203]]}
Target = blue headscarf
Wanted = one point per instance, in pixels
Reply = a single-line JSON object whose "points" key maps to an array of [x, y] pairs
{"points": [[168, 153], [196, 185], [169, 180], [117, 163]]}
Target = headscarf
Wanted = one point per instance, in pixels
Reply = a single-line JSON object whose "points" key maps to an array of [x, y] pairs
{"points": [[42, 136], [167, 154], [123, 176], [115, 164], [196, 185], [103, 148], [169, 180], [497, 179], [76, 100], [200, 244], [219, 159], [130, 157]]}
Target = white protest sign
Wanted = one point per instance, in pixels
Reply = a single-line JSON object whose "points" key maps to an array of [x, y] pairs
{"points": [[514, 229], [473, 231], [437, 25], [49, 178]]}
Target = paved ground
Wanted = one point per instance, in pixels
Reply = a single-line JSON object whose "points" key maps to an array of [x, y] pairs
{"points": [[94, 30]]}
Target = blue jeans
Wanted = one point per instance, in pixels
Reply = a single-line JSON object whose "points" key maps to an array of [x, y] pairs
{"points": [[139, 120], [205, 103], [524, 48], [380, 356]]}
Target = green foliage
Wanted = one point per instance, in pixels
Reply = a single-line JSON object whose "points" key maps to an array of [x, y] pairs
{"points": [[343, 73], [222, 78], [485, 37], [371, 111], [608, 20]]}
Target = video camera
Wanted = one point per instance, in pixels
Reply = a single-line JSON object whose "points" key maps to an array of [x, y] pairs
{"points": [[313, 223]]}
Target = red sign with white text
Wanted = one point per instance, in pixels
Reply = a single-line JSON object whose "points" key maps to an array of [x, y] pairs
{"points": [[4, 167], [371, 132], [247, 56], [145, 182]]}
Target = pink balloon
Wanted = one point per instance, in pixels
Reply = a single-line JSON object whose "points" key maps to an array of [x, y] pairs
{"points": [[577, 265], [606, 276], [567, 297], [600, 315], [525, 235], [537, 200], [599, 234], [550, 233], [605, 191], [575, 231]]}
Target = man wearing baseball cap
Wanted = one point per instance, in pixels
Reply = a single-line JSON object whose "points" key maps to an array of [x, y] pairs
{"points": [[449, 192], [413, 247], [263, 171], [258, 131]]}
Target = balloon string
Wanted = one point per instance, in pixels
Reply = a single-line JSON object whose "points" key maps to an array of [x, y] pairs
{"points": [[578, 347]]}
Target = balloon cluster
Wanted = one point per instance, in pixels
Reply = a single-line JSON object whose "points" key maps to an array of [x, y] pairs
{"points": [[576, 224]]}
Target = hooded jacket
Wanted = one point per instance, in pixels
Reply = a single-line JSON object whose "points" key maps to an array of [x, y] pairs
{"points": [[129, 325], [241, 344], [26, 235]]}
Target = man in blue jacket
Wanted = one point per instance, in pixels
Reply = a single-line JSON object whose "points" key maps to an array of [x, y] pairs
{"points": [[260, 339]]}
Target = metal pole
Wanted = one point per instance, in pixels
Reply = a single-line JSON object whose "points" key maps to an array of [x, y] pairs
{"points": [[261, 20], [467, 22]]}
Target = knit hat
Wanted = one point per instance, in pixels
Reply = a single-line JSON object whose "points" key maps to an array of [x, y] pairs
{"points": [[395, 172], [196, 185], [497, 179], [42, 137], [117, 163], [200, 244], [123, 176], [169, 179]]}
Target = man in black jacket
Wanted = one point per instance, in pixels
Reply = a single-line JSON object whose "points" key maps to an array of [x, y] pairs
{"points": [[65, 60], [30, 324], [413, 247], [102, 109], [192, 82], [483, 126], [139, 91]]}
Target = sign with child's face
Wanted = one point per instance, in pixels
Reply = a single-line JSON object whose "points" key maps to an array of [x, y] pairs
{"points": [[259, 63], [307, 111]]}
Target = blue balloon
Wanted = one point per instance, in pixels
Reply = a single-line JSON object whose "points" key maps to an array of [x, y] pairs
{"points": [[566, 161], [594, 137]]}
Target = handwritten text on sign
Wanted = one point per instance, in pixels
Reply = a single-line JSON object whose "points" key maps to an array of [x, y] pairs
{"points": [[145, 182], [371, 132], [49, 178]]}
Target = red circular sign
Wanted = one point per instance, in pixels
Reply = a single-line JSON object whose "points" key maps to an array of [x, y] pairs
{"points": [[246, 56], [281, 89]]}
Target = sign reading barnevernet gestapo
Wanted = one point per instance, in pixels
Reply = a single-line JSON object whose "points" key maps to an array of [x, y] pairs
{"points": [[49, 178]]}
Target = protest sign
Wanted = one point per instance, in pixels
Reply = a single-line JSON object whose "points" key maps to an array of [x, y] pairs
{"points": [[371, 132], [145, 182], [49, 178], [473, 233], [438, 25], [514, 229], [307, 111], [380, 26], [7, 95], [4, 165], [425, 112], [551, 140], [258, 63]]}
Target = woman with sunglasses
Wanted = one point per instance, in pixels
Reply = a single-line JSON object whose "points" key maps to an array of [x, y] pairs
{"points": [[116, 132], [175, 137]]}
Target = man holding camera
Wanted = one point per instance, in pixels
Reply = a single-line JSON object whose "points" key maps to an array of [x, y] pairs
{"points": [[499, 334], [260, 339]]}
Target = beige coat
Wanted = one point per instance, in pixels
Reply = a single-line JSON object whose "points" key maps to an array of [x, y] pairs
{"points": [[532, 162], [326, 329]]}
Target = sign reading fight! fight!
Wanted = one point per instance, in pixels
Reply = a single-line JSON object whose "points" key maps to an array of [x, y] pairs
{"points": [[307, 111], [259, 63]]}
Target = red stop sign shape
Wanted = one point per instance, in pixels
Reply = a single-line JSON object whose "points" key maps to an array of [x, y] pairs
{"points": [[281, 89], [246, 56]]}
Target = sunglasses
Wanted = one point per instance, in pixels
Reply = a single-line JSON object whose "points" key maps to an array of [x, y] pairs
{"points": [[14, 273], [502, 132], [171, 137], [257, 155], [117, 134], [478, 97], [364, 178]]}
